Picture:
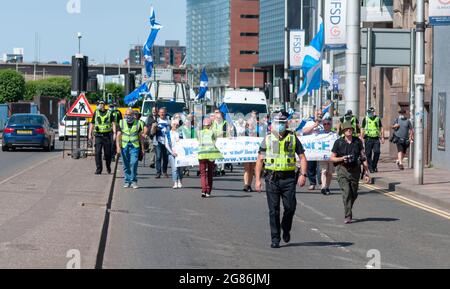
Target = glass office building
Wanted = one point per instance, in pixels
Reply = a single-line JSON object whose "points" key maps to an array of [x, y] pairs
{"points": [[271, 30], [208, 38]]}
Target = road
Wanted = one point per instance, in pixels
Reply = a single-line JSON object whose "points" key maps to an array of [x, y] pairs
{"points": [[16, 161], [157, 227]]}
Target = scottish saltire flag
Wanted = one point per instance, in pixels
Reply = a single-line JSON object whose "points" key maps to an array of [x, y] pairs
{"points": [[305, 121], [224, 109], [203, 85], [312, 65], [326, 110], [137, 94], [148, 55]]}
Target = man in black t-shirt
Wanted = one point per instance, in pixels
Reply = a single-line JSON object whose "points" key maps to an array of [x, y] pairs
{"points": [[347, 153]]}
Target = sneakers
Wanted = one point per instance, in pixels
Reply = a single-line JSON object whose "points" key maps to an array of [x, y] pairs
{"points": [[179, 185], [207, 195], [134, 186], [348, 220], [325, 191], [275, 245], [312, 187], [203, 195], [175, 185], [126, 185], [158, 176]]}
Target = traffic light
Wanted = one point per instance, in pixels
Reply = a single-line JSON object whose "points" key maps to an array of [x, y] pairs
{"points": [[79, 73], [130, 83], [283, 86]]}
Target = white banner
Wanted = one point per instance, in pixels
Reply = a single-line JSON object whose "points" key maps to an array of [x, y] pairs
{"points": [[296, 48], [245, 149], [234, 150], [318, 146], [335, 23], [439, 12]]}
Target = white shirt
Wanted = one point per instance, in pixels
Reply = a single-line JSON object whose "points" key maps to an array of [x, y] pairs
{"points": [[174, 138]]}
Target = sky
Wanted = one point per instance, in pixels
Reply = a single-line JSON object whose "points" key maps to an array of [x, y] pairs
{"points": [[109, 28]]}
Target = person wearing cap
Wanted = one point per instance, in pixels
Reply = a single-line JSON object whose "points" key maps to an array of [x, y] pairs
{"points": [[207, 155], [102, 127], [117, 115], [373, 134], [277, 154], [346, 154], [402, 136], [353, 120], [129, 144]]}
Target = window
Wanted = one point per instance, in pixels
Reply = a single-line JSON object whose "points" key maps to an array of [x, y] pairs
{"points": [[249, 52], [244, 70], [249, 34], [249, 16]]}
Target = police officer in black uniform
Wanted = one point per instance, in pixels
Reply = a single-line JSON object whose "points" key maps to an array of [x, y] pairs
{"points": [[277, 153], [102, 127]]}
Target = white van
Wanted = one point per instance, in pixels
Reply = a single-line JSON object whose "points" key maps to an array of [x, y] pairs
{"points": [[244, 102]]}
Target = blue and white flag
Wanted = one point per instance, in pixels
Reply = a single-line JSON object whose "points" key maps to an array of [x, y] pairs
{"points": [[312, 65], [224, 109], [137, 94], [148, 55], [203, 85]]}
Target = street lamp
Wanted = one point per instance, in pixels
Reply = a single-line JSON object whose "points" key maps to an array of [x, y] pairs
{"points": [[79, 42]]}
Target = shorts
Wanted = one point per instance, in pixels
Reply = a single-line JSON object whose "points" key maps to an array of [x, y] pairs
{"points": [[402, 147], [326, 166]]}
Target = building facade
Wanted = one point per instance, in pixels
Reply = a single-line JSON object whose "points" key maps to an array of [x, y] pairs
{"points": [[222, 35]]}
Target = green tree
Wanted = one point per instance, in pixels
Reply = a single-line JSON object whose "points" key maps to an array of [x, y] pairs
{"points": [[12, 86], [58, 87]]}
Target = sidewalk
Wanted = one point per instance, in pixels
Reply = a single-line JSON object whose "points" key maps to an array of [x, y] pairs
{"points": [[45, 211], [435, 190]]}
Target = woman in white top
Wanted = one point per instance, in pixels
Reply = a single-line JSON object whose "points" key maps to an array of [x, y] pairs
{"points": [[171, 139]]}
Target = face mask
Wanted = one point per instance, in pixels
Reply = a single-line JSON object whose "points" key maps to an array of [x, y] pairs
{"points": [[370, 114], [129, 118], [402, 117], [281, 128]]}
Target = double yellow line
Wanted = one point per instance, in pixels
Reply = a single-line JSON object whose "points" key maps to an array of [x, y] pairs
{"points": [[409, 201]]}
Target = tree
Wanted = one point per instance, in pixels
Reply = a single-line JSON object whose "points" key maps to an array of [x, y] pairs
{"points": [[58, 87], [12, 86]]}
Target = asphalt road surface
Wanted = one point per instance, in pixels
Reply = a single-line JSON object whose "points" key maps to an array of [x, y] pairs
{"points": [[158, 227], [13, 162]]}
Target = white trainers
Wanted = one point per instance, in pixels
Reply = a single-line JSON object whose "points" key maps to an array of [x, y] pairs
{"points": [[175, 185], [126, 185], [134, 186], [180, 185]]}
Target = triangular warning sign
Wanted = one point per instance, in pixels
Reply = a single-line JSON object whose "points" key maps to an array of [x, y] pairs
{"points": [[80, 108]]}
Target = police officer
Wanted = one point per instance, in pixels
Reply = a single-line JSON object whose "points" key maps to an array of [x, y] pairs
{"points": [[102, 127], [373, 134], [117, 115], [347, 153], [277, 153], [353, 120]]}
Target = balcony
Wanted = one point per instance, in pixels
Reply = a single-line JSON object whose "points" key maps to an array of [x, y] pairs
{"points": [[377, 11]]}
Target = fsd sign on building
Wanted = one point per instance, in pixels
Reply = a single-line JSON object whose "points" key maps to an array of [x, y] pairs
{"points": [[335, 24], [439, 12]]}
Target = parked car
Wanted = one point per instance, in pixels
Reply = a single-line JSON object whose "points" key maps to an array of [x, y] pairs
{"points": [[28, 130], [68, 127]]}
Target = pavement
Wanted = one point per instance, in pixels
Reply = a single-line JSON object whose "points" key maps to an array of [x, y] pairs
{"points": [[48, 208], [158, 227]]}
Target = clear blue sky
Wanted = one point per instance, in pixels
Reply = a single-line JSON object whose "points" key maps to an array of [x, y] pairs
{"points": [[108, 27]]}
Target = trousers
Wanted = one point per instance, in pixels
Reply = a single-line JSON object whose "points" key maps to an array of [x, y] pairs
{"points": [[373, 151], [103, 143], [285, 190]]}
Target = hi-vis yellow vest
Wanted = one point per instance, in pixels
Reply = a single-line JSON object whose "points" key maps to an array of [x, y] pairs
{"points": [[372, 129], [280, 154], [207, 149], [129, 135], [103, 123]]}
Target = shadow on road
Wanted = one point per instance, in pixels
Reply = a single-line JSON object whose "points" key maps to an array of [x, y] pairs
{"points": [[230, 196], [375, 220], [320, 244]]}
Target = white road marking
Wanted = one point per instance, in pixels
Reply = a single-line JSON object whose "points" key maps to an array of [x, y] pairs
{"points": [[28, 169]]}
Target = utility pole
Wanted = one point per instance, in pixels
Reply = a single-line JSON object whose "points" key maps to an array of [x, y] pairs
{"points": [[352, 56], [411, 93], [369, 69], [301, 71], [319, 17], [419, 79], [286, 48]]}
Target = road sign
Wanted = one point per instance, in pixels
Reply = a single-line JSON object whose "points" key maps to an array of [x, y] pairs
{"points": [[439, 12], [80, 108]]}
